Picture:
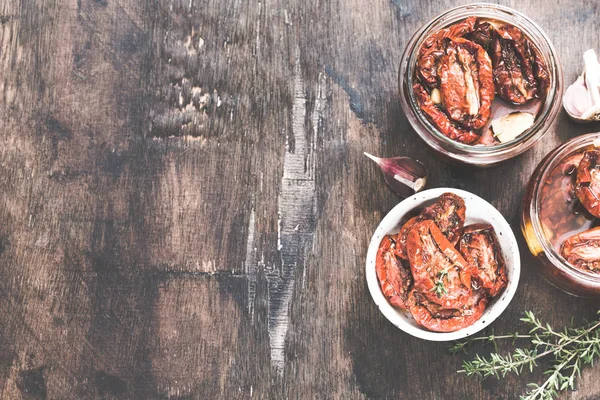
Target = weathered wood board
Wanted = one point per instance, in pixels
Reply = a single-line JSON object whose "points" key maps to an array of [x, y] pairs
{"points": [[185, 208]]}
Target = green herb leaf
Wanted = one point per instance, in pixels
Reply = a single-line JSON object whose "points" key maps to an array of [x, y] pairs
{"points": [[439, 287], [570, 349]]}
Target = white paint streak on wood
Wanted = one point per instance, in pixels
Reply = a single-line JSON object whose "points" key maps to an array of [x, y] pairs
{"points": [[250, 266], [279, 245], [316, 119], [257, 45], [296, 220]]}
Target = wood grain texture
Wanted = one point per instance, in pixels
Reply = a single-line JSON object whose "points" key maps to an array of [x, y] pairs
{"points": [[185, 208]]}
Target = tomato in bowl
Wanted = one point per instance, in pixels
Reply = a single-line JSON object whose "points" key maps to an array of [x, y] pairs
{"points": [[448, 299]]}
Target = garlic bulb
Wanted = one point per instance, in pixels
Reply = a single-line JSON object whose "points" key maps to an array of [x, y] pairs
{"points": [[582, 98]]}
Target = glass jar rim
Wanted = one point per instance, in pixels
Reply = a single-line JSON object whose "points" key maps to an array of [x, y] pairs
{"points": [[506, 14], [547, 165]]}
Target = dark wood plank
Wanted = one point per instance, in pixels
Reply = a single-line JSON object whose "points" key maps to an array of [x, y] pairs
{"points": [[185, 208]]}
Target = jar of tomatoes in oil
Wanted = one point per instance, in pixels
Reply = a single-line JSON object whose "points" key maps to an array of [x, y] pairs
{"points": [[480, 84], [560, 217]]}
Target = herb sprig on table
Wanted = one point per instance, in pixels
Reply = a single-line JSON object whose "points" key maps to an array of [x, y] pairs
{"points": [[570, 349]]}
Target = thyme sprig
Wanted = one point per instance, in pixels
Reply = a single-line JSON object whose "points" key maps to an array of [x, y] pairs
{"points": [[439, 287], [571, 349]]}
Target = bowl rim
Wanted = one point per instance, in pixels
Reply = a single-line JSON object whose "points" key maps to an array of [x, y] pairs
{"points": [[391, 314]]}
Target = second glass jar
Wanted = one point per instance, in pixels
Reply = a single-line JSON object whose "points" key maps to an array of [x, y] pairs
{"points": [[552, 213]]}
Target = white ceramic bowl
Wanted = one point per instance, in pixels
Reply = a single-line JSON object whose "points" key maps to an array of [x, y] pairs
{"points": [[478, 210]]}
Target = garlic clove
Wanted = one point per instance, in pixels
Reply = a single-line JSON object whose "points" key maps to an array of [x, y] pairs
{"points": [[510, 126], [404, 175], [436, 96], [582, 99], [501, 108]]}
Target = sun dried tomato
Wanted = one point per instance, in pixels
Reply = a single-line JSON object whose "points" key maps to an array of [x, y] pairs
{"points": [[479, 246], [440, 119], [466, 83], [588, 182], [482, 34], [559, 205], [442, 298], [401, 236], [449, 213], [438, 269], [395, 278], [514, 61], [541, 73], [583, 250], [439, 319], [432, 50]]}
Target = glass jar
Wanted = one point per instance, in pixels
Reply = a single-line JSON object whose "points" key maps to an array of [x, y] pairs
{"points": [[540, 237], [482, 156]]}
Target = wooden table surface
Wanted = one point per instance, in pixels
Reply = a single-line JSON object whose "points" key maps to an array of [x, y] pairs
{"points": [[185, 208]]}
